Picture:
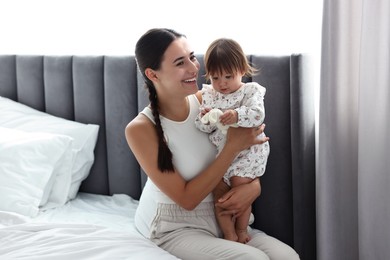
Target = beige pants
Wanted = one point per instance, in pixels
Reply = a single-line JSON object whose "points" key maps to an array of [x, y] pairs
{"points": [[195, 235]]}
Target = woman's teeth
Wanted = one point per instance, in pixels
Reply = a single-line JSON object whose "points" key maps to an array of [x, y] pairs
{"points": [[190, 80]]}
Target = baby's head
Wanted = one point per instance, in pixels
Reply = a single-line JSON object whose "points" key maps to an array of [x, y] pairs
{"points": [[226, 64]]}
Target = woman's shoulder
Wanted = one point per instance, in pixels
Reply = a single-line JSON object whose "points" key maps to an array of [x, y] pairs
{"points": [[140, 132], [198, 96], [140, 123]]}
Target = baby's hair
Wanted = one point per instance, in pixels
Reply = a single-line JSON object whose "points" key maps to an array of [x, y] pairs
{"points": [[226, 55], [149, 52]]}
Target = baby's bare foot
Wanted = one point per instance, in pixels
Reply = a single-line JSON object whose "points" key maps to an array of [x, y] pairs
{"points": [[243, 236], [230, 236]]}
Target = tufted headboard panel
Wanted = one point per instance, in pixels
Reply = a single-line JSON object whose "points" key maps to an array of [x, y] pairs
{"points": [[108, 91]]}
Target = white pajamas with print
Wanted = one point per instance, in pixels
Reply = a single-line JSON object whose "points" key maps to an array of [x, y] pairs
{"points": [[248, 101]]}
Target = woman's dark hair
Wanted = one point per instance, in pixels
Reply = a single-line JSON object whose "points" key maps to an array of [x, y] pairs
{"points": [[149, 52]]}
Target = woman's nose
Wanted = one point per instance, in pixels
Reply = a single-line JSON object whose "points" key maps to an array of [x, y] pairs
{"points": [[194, 66]]}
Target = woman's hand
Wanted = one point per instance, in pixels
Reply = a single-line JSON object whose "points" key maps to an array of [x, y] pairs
{"points": [[241, 138], [238, 199]]}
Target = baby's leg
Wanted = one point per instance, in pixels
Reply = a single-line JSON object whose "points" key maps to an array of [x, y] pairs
{"points": [[242, 225], [226, 222], [242, 221]]}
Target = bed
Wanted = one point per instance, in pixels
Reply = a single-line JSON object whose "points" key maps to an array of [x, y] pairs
{"points": [[70, 184]]}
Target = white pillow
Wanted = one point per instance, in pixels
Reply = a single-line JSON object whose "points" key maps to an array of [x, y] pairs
{"points": [[28, 164], [57, 190], [18, 116]]}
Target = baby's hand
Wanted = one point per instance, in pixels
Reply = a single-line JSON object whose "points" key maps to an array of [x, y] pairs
{"points": [[204, 110], [229, 117]]}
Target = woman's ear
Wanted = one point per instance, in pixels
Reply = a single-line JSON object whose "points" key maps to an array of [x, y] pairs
{"points": [[151, 74]]}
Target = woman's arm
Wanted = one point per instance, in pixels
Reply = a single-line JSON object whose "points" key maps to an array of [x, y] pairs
{"points": [[142, 139]]}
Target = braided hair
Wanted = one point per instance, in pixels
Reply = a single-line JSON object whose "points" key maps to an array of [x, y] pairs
{"points": [[149, 52]]}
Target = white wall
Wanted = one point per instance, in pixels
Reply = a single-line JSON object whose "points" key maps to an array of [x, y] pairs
{"points": [[111, 27]]}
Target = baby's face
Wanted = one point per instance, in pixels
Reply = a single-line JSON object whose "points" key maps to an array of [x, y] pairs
{"points": [[226, 83]]}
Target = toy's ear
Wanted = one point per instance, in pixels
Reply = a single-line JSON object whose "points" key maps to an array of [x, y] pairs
{"points": [[205, 119], [223, 128], [214, 115]]}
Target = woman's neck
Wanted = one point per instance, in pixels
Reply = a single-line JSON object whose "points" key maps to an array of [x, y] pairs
{"points": [[175, 110]]}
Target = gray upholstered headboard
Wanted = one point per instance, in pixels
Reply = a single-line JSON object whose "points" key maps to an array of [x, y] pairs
{"points": [[108, 91]]}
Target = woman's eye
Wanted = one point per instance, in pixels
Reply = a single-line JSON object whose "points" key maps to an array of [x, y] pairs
{"points": [[193, 57]]}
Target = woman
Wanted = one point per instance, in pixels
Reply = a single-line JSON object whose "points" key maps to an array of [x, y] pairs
{"points": [[176, 208]]}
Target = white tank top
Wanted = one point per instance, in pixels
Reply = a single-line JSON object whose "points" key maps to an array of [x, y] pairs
{"points": [[192, 152]]}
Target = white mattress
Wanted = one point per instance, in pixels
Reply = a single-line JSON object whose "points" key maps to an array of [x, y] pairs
{"points": [[89, 227]]}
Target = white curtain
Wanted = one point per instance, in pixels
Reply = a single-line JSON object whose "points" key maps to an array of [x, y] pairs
{"points": [[353, 174]]}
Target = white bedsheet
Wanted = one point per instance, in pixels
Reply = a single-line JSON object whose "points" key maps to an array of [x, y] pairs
{"points": [[89, 227]]}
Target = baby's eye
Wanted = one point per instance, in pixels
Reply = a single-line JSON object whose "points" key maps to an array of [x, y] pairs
{"points": [[228, 76], [193, 57], [214, 78]]}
